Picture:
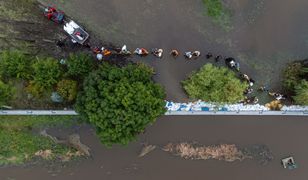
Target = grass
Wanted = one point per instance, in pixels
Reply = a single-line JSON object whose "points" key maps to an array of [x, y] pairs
{"points": [[16, 9], [18, 147], [35, 122], [220, 14], [19, 143]]}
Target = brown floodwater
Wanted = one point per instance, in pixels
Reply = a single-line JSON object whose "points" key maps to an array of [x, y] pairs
{"points": [[265, 35], [283, 135]]}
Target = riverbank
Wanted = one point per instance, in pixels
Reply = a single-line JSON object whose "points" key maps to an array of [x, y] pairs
{"points": [[24, 140]]}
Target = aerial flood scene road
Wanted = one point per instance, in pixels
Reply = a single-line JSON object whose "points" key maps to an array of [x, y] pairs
{"points": [[153, 89]]}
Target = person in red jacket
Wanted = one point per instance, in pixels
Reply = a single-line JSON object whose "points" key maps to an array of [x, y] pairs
{"points": [[50, 11]]}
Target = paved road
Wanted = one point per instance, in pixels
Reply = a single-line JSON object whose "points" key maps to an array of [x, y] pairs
{"points": [[283, 135]]}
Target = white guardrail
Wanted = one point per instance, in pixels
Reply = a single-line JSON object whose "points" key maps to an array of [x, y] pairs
{"points": [[191, 108], [38, 112], [238, 113], [168, 113], [205, 108]]}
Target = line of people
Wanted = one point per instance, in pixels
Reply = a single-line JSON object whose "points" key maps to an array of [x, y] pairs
{"points": [[253, 99], [157, 52]]}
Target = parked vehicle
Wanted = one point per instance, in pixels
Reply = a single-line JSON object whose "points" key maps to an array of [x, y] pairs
{"points": [[77, 33]]}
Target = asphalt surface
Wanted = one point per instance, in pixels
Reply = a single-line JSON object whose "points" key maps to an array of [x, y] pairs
{"points": [[283, 135]]}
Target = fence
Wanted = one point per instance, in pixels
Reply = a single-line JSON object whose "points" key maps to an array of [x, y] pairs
{"points": [[238, 113], [168, 113], [38, 112], [206, 108]]}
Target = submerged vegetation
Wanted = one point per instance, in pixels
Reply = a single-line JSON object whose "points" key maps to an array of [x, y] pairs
{"points": [[21, 142], [120, 102], [36, 78], [215, 84], [219, 13], [295, 81]]}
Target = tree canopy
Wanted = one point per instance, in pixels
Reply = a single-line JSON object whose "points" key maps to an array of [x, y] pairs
{"points": [[67, 89], [301, 91], [46, 72], [6, 93], [14, 64], [215, 84], [292, 76], [120, 102], [79, 65]]}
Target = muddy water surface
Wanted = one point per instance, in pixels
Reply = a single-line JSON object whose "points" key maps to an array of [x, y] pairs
{"points": [[283, 135], [265, 35]]}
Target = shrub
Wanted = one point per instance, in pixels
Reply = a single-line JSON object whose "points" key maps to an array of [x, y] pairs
{"points": [[301, 91], [79, 65], [292, 76], [120, 102], [67, 89], [14, 64], [215, 84], [46, 73], [7, 93]]}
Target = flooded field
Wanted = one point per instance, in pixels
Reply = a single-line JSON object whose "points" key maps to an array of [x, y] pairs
{"points": [[265, 35], [283, 135]]}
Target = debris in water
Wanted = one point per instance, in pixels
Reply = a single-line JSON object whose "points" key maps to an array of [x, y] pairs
{"points": [[146, 149], [259, 152], [225, 152]]}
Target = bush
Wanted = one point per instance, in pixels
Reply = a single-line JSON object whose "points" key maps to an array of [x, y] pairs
{"points": [[120, 102], [301, 91], [46, 73], [7, 93], [67, 89], [215, 84], [14, 64], [79, 65], [292, 75]]}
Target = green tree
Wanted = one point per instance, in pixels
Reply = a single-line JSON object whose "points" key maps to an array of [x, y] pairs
{"points": [[46, 72], [292, 75], [120, 102], [7, 93], [14, 64], [301, 93], [215, 84], [79, 65], [67, 89]]}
